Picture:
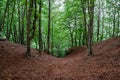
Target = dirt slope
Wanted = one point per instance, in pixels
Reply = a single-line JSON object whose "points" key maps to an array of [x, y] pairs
{"points": [[103, 65]]}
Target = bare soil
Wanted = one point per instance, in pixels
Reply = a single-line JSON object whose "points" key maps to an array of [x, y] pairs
{"points": [[103, 65]]}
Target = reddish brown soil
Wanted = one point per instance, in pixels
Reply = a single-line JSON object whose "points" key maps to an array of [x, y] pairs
{"points": [[103, 65]]}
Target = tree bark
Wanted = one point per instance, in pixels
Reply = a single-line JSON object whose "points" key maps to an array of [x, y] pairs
{"points": [[118, 23], [7, 30], [98, 23], [90, 26], [4, 15], [72, 40], [75, 25], [48, 37], [83, 3], [10, 30], [15, 34], [22, 26], [28, 54], [114, 13], [40, 33], [102, 24], [34, 21], [19, 23]]}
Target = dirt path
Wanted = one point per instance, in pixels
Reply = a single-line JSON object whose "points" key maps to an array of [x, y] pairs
{"points": [[103, 65]]}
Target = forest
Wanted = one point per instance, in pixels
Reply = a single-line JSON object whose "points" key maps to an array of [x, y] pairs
{"points": [[57, 32], [55, 25]]}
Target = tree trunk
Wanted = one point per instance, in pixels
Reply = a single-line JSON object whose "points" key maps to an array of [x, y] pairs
{"points": [[113, 24], [71, 35], [72, 40], [48, 37], [15, 34], [28, 27], [102, 26], [118, 24], [7, 30], [98, 22], [83, 3], [90, 26], [22, 26], [40, 33], [75, 25], [10, 30], [102, 21], [4, 15], [80, 40], [19, 23], [34, 21]]}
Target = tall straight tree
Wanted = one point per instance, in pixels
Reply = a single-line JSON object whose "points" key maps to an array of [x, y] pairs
{"points": [[40, 33], [48, 36], [75, 25], [22, 26], [118, 22], [90, 26], [102, 22], [34, 20], [98, 23], [7, 27], [28, 26], [12, 17], [4, 16], [114, 20], [19, 23], [83, 3], [31, 24]]}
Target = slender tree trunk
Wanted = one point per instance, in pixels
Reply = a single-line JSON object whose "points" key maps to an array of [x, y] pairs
{"points": [[40, 33], [4, 15], [71, 36], [83, 3], [28, 54], [90, 26], [118, 24], [15, 34], [19, 23], [75, 31], [31, 31], [80, 40], [72, 40], [48, 37], [10, 30], [113, 24], [102, 26], [7, 30], [34, 21], [98, 22], [22, 26], [76, 38]]}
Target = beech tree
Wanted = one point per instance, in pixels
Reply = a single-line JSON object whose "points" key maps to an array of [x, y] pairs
{"points": [[29, 24], [49, 17], [90, 25], [40, 33]]}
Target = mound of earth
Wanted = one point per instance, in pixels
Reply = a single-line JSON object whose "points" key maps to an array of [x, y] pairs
{"points": [[103, 65]]}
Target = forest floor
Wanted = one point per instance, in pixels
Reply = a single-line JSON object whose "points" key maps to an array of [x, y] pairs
{"points": [[103, 65]]}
